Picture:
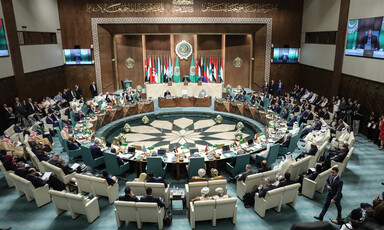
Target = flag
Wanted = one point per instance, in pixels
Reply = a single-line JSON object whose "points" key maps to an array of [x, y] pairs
{"points": [[158, 70], [199, 71], [146, 70], [170, 68], [206, 148], [192, 71], [150, 70], [165, 68], [175, 150], [220, 69], [234, 143], [177, 71]]}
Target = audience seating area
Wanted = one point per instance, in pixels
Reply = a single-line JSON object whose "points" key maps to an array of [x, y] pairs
{"points": [[193, 189], [158, 190]]}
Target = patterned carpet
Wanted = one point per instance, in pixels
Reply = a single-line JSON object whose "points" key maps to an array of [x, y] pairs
{"points": [[362, 181]]}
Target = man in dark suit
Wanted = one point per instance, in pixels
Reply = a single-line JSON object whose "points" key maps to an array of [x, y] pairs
{"points": [[369, 41], [167, 93], [292, 120], [264, 167], [128, 195], [150, 198], [152, 179], [312, 151], [20, 111], [243, 176], [334, 195], [95, 150], [30, 107], [253, 99], [287, 141], [71, 143], [93, 89], [118, 159], [263, 189], [21, 171], [69, 95], [279, 88], [39, 182], [272, 88], [78, 92], [286, 180]]}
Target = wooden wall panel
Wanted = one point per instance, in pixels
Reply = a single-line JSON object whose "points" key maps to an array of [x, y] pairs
{"points": [[259, 40], [82, 75], [289, 74], [237, 46], [184, 64], [130, 46], [158, 45], [107, 66]]}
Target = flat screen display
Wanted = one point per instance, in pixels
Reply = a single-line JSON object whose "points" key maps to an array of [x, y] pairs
{"points": [[77, 56], [365, 38], [3, 40], [285, 55]]}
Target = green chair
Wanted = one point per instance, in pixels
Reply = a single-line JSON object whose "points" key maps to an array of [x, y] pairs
{"points": [[61, 140], [60, 124], [272, 155], [100, 103], [266, 103], [88, 159], [195, 163], [112, 166], [155, 165], [72, 116], [289, 114], [292, 145], [71, 153], [241, 162], [84, 109], [301, 129]]}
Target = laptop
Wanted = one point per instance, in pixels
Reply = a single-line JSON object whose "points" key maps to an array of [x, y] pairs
{"points": [[226, 149], [131, 149], [161, 152]]}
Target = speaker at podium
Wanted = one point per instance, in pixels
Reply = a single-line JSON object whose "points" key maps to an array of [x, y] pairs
{"points": [[126, 84]]}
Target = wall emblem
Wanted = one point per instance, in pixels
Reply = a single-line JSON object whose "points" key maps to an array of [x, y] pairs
{"points": [[183, 50], [129, 63], [238, 62]]}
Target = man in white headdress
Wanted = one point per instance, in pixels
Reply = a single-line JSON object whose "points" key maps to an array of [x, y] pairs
{"points": [[295, 129], [337, 143], [204, 195], [315, 136], [220, 194]]}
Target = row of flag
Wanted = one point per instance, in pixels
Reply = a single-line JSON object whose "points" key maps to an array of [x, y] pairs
{"points": [[161, 69]]}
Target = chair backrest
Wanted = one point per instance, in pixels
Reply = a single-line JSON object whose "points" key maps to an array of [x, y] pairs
{"points": [[56, 171], [99, 185], [241, 162], [204, 209], [138, 188], [214, 184], [111, 162], [84, 183], [155, 164], [62, 112], [195, 163], [76, 202], [60, 124], [72, 117], [84, 109], [195, 188], [351, 139], [225, 208], [273, 153], [305, 164], [293, 143], [87, 156], [253, 181], [294, 169], [321, 179], [61, 139], [273, 197], [35, 161], [10, 130], [126, 210], [290, 193], [271, 174], [2, 168], [301, 126], [148, 212], [59, 199]]}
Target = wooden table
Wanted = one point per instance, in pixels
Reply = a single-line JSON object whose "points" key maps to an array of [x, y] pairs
{"points": [[184, 102]]}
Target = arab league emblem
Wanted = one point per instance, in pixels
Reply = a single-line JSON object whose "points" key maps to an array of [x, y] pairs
{"points": [[238, 62], [183, 50], [129, 63]]}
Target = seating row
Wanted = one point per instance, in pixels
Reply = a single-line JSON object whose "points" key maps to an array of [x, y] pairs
{"points": [[343, 165], [76, 204], [213, 210], [252, 182], [158, 190], [193, 189], [276, 198]]}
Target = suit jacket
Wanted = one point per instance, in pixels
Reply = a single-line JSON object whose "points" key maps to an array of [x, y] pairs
{"points": [[17, 129], [36, 181], [244, 175], [21, 172], [262, 192], [312, 151], [285, 183], [72, 146], [167, 93], [374, 43], [78, 92], [93, 90], [157, 180], [119, 161], [153, 200], [336, 188], [69, 95], [96, 151], [128, 198], [293, 120], [30, 108], [286, 142], [264, 169]]}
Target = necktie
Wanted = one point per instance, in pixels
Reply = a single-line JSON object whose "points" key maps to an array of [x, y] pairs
{"points": [[332, 180]]}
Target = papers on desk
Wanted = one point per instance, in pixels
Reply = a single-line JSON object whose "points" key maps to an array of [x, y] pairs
{"points": [[231, 154], [103, 149], [126, 156], [75, 166], [46, 175]]}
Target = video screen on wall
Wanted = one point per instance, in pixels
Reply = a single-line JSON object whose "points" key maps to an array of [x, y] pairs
{"points": [[365, 37], [285, 55], [3, 40], [77, 56]]}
